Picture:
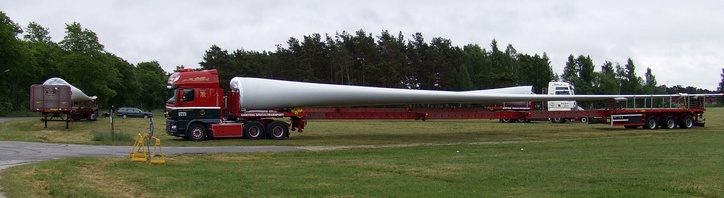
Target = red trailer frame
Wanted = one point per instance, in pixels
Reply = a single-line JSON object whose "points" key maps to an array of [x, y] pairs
{"points": [[687, 115]]}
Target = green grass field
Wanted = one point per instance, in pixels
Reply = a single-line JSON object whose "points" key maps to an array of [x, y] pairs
{"points": [[494, 160], [331, 132]]}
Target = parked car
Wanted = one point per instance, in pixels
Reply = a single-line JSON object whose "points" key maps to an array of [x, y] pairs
{"points": [[126, 112]]}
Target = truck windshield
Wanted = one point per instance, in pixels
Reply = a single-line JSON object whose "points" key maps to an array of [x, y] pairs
{"points": [[172, 100]]}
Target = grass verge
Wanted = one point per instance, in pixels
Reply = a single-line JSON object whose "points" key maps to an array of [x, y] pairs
{"points": [[665, 165], [112, 138], [342, 132]]}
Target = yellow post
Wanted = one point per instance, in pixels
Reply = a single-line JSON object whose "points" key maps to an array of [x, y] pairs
{"points": [[157, 152], [138, 152]]}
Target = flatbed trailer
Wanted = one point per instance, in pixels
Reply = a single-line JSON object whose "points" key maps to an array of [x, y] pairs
{"points": [[689, 114]]}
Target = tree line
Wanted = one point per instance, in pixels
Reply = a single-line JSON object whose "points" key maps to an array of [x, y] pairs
{"points": [[29, 56], [393, 61], [385, 61]]}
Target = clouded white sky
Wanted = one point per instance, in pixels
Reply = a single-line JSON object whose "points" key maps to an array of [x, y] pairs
{"points": [[681, 41]]}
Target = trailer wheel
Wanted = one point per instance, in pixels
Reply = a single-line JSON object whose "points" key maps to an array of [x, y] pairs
{"points": [[558, 120], [687, 122], [254, 130], [145, 116], [669, 122], [652, 123], [507, 120], [584, 120], [93, 116], [277, 130], [197, 132], [124, 116]]}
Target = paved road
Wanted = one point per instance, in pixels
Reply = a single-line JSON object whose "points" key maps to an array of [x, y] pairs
{"points": [[18, 153]]}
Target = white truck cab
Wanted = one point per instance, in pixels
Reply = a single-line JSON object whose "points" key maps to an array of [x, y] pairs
{"points": [[561, 88]]}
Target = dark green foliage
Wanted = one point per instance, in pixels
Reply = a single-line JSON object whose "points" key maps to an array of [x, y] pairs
{"points": [[151, 79], [580, 72], [218, 59], [536, 71], [16, 66], [606, 80], [630, 82]]}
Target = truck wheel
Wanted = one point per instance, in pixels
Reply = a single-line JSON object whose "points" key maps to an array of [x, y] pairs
{"points": [[277, 130], [669, 122], [687, 122], [652, 123], [197, 132], [254, 130]]}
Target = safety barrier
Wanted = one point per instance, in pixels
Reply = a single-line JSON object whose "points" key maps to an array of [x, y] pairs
{"points": [[141, 152]]}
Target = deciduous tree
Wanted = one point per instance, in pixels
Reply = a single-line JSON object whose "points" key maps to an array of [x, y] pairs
{"points": [[14, 68], [85, 64], [152, 79]]}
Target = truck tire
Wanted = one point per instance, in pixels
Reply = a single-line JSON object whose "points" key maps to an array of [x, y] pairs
{"points": [[687, 122], [254, 130], [669, 123], [277, 130], [197, 132], [651, 123]]}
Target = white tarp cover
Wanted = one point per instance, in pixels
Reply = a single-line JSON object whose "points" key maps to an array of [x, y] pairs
{"points": [[76, 94]]}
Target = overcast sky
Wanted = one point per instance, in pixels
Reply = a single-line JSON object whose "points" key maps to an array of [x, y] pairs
{"points": [[681, 41]]}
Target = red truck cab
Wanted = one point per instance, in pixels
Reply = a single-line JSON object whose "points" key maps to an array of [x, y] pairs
{"points": [[197, 101]]}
